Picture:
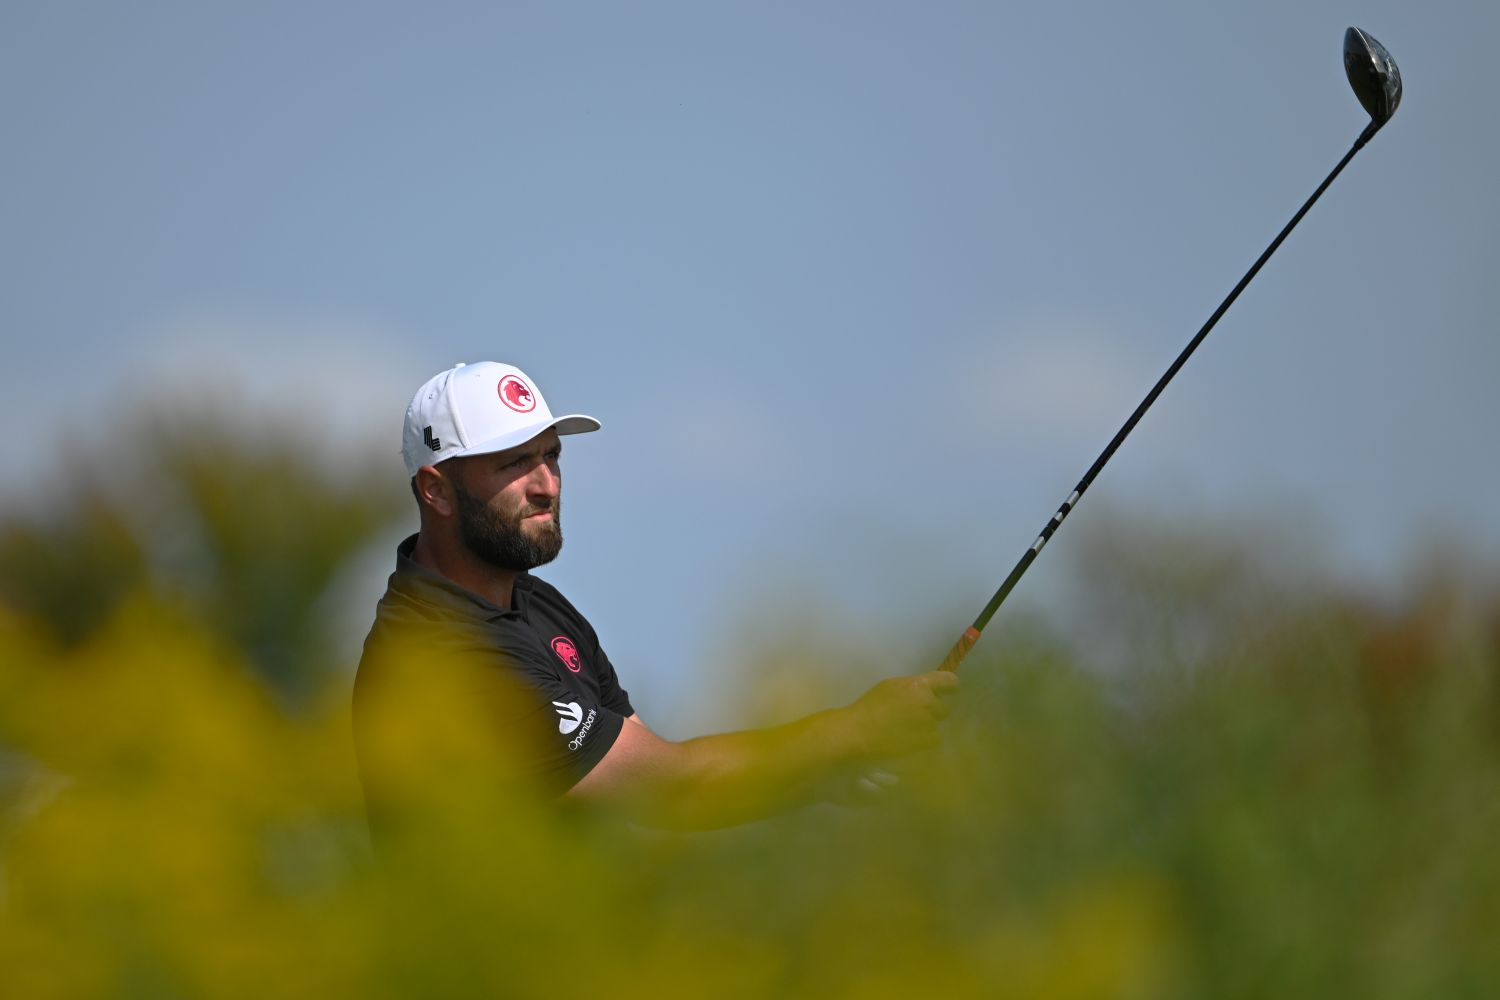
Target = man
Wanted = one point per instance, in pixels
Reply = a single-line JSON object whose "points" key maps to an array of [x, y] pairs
{"points": [[463, 614]]}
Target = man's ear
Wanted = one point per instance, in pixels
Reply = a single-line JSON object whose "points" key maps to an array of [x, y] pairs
{"points": [[434, 492]]}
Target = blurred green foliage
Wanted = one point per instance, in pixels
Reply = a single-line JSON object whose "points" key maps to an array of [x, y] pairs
{"points": [[1301, 801], [245, 530]]}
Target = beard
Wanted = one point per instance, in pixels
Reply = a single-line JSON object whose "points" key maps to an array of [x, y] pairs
{"points": [[505, 541]]}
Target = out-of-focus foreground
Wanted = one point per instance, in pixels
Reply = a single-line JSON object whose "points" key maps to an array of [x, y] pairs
{"points": [[1264, 794]]}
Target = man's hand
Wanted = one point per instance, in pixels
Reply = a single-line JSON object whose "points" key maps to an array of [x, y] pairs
{"points": [[901, 714]]}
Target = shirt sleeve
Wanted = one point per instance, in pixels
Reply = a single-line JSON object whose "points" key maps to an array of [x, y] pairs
{"points": [[615, 697], [559, 734]]}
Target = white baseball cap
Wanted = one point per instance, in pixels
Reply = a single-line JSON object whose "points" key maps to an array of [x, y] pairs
{"points": [[477, 409]]}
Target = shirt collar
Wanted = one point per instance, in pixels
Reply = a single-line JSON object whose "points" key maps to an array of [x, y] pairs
{"points": [[419, 581]]}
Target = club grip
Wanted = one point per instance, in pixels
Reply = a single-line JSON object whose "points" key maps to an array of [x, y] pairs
{"points": [[960, 649]]}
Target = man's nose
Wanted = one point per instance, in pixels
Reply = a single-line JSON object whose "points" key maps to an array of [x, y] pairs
{"points": [[544, 481]]}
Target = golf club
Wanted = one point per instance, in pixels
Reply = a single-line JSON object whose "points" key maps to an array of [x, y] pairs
{"points": [[1377, 83]]}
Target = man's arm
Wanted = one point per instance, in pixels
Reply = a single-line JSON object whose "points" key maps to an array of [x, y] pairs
{"points": [[733, 778]]}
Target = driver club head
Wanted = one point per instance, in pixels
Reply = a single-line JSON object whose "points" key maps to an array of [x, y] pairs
{"points": [[1373, 75]]}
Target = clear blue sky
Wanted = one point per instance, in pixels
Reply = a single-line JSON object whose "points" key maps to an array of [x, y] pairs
{"points": [[858, 290]]}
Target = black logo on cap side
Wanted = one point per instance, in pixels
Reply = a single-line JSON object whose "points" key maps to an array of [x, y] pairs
{"points": [[429, 440]]}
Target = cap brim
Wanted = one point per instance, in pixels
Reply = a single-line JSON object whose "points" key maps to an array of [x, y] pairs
{"points": [[573, 423]]}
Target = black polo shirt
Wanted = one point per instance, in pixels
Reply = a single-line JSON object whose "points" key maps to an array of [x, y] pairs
{"points": [[562, 705]]}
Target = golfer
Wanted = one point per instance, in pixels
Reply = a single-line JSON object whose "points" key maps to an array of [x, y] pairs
{"points": [[463, 614]]}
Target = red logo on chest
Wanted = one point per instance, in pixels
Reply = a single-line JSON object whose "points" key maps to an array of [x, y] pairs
{"points": [[567, 652]]}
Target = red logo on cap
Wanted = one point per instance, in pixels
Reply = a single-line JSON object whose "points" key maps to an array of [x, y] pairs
{"points": [[567, 652], [516, 394]]}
